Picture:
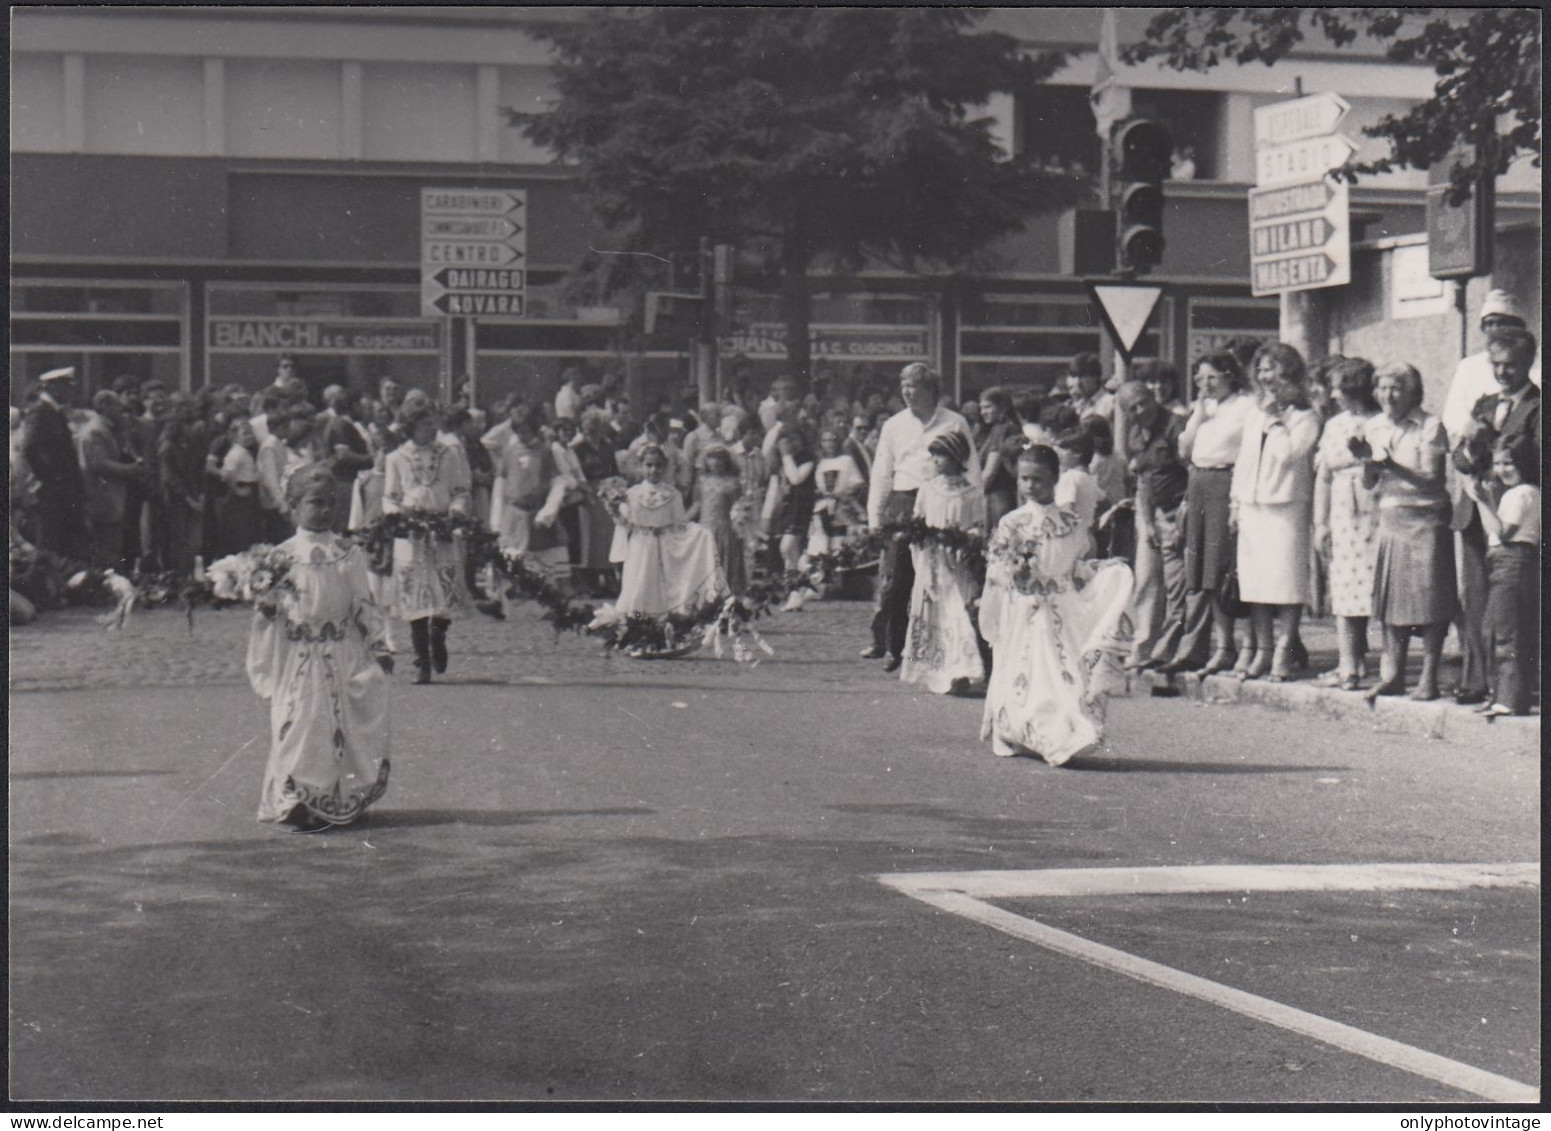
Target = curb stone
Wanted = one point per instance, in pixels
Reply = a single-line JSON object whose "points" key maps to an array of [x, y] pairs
{"points": [[1440, 720]]}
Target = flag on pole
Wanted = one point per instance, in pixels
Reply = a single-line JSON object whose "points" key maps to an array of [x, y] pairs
{"points": [[1110, 97]]}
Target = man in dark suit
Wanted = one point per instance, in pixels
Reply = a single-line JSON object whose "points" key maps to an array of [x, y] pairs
{"points": [[1511, 416], [50, 451]]}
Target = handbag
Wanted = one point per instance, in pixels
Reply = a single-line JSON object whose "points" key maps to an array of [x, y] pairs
{"points": [[1232, 603]]}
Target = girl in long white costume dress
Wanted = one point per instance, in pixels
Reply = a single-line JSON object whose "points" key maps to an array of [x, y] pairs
{"points": [[670, 563], [424, 474], [941, 648], [317, 652], [1058, 626]]}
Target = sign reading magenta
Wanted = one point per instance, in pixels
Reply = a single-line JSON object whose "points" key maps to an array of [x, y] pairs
{"points": [[470, 240]]}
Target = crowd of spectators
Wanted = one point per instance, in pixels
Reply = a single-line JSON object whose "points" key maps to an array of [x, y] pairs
{"points": [[1278, 487]]}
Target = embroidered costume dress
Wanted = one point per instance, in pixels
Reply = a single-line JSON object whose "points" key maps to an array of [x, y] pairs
{"points": [[1059, 630], [717, 494], [940, 642], [428, 574], [670, 564], [315, 661]]}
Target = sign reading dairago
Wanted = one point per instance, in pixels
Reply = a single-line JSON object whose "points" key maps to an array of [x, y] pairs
{"points": [[473, 243]]}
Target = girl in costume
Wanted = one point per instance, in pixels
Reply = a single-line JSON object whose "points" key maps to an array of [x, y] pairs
{"points": [[1058, 626], [941, 651], [426, 476], [670, 563], [317, 652], [717, 488]]}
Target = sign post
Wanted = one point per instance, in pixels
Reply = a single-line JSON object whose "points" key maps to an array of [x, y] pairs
{"points": [[473, 247], [1299, 218]]}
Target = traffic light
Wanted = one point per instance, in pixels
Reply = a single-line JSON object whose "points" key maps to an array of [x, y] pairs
{"points": [[1144, 153]]}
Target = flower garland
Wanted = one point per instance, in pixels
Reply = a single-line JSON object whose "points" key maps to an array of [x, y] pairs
{"points": [[725, 624]]}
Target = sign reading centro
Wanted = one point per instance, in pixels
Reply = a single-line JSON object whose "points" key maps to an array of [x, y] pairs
{"points": [[308, 336]]}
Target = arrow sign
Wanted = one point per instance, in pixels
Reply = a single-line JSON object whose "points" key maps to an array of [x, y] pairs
{"points": [[480, 303], [471, 253], [470, 228], [1299, 273], [1126, 310], [478, 279], [1307, 196], [467, 202], [1301, 160], [1291, 235], [1314, 116]]}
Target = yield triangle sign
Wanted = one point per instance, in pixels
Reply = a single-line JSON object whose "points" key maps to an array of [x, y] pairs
{"points": [[1126, 310]]}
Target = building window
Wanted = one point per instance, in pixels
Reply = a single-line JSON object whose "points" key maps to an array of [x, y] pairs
{"points": [[283, 108], [1214, 322], [151, 104], [104, 329], [1056, 125], [1028, 340], [1194, 118]]}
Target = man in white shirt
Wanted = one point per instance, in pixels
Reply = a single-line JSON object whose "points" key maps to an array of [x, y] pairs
{"points": [[900, 467], [1473, 379], [568, 401]]}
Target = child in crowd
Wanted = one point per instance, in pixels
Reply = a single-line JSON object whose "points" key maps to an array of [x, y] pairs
{"points": [[717, 487], [670, 563], [1114, 534], [1058, 626], [1513, 563], [317, 653], [238, 517], [838, 509], [797, 492], [1077, 489], [942, 652]]}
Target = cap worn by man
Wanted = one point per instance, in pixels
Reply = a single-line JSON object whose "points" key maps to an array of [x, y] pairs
{"points": [[1501, 304], [65, 374]]}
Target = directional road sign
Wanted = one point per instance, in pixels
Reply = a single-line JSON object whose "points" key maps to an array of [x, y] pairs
{"points": [[472, 245], [1299, 219], [1300, 160], [1299, 237], [1314, 116]]}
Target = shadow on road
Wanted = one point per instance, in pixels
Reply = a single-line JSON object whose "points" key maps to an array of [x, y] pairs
{"points": [[1166, 766], [484, 818]]}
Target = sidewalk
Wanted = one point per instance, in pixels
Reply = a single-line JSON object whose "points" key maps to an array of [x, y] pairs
{"points": [[1442, 718]]}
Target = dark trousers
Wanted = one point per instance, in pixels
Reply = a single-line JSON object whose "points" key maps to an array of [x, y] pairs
{"points": [[896, 578], [1513, 622]]}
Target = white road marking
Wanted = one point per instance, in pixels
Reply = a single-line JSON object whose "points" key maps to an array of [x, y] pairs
{"points": [[964, 893]]}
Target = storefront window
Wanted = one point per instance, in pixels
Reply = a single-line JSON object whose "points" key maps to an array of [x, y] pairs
{"points": [[1028, 340], [1215, 322], [105, 330]]}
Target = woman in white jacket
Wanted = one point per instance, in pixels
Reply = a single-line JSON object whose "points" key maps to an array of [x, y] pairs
{"points": [[1272, 507]]}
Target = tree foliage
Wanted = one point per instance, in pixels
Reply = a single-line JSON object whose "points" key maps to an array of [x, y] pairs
{"points": [[1487, 61], [815, 137]]}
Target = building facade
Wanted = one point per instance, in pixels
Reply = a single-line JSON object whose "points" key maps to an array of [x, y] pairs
{"points": [[195, 191]]}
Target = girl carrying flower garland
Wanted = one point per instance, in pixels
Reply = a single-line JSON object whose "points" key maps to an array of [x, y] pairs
{"points": [[427, 475], [1058, 625], [317, 653], [670, 563]]}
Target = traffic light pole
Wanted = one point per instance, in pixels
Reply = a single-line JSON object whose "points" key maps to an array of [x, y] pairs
{"points": [[1110, 359]]}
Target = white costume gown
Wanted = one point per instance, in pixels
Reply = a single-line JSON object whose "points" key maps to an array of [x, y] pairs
{"points": [[428, 574], [940, 644], [670, 563], [1059, 631], [316, 663]]}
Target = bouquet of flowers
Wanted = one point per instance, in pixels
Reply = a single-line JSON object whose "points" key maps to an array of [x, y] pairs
{"points": [[257, 576], [612, 493], [1018, 559]]}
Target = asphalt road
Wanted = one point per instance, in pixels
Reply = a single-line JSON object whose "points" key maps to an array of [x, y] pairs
{"points": [[602, 879]]}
